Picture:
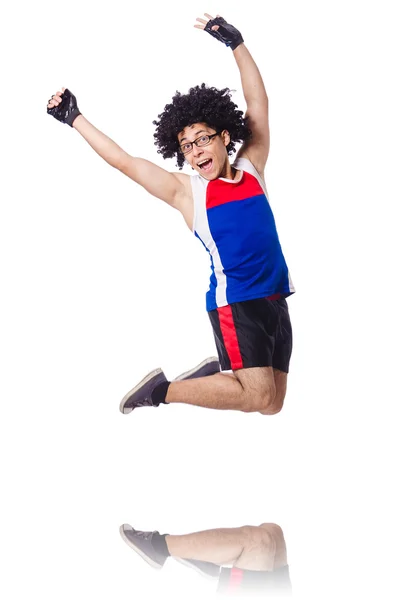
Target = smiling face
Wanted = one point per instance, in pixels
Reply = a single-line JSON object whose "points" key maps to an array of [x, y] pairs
{"points": [[211, 161]]}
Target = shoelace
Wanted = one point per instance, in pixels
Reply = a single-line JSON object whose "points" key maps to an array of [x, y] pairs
{"points": [[144, 535], [144, 402]]}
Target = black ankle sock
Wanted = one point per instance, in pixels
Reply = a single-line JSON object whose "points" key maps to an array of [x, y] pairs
{"points": [[160, 545], [159, 393]]}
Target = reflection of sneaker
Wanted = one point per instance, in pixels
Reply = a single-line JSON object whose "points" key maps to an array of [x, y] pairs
{"points": [[207, 367], [208, 569], [141, 542], [141, 394]]}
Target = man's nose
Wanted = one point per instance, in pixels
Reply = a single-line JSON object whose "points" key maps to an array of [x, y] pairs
{"points": [[197, 151]]}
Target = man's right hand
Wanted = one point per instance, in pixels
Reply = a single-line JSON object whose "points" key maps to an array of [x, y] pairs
{"points": [[63, 107], [172, 188]]}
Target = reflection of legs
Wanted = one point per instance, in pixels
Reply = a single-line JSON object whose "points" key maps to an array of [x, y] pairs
{"points": [[280, 557], [254, 548], [248, 390]]}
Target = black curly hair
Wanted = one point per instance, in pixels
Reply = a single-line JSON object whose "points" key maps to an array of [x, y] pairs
{"points": [[202, 104]]}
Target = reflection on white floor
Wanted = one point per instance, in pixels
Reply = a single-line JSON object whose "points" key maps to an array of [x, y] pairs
{"points": [[243, 562]]}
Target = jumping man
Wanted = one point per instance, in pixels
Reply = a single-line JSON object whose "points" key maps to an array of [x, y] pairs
{"points": [[226, 206]]}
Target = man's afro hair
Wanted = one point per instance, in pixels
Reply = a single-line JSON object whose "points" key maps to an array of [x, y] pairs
{"points": [[202, 104]]}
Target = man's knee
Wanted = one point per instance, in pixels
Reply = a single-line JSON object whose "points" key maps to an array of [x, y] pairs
{"points": [[277, 403], [260, 392], [258, 548], [260, 400], [273, 529], [275, 407], [254, 537]]}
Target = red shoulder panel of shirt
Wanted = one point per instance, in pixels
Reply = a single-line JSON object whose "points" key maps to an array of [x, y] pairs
{"points": [[220, 192]]}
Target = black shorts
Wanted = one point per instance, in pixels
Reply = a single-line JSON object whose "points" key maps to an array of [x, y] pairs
{"points": [[262, 584], [253, 333]]}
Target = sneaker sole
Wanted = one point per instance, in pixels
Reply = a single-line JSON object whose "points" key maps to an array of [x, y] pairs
{"points": [[188, 374], [135, 389], [145, 557]]}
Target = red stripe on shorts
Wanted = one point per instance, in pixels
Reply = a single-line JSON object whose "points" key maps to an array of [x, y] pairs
{"points": [[236, 577], [230, 336]]}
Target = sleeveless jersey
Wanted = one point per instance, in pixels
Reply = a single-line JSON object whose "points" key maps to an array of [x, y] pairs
{"points": [[234, 222]]}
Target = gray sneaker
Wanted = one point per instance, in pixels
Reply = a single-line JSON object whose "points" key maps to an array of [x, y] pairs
{"points": [[207, 569], [141, 542], [141, 394], [207, 367]]}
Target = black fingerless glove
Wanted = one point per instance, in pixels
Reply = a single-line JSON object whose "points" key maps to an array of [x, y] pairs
{"points": [[226, 33], [67, 110]]}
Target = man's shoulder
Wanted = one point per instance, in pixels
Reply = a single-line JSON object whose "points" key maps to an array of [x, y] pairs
{"points": [[182, 177], [184, 180], [185, 195], [243, 163]]}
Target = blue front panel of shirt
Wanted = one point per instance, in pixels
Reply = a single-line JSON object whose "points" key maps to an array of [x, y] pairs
{"points": [[246, 237]]}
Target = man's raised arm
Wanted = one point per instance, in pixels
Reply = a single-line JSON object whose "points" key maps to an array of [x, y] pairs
{"points": [[257, 148], [157, 181]]}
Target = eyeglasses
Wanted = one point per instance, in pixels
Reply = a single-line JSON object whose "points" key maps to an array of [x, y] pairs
{"points": [[203, 140]]}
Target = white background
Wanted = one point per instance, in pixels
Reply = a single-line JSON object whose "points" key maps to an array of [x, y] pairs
{"points": [[100, 283]]}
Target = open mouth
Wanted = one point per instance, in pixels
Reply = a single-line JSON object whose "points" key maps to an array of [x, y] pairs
{"points": [[205, 165]]}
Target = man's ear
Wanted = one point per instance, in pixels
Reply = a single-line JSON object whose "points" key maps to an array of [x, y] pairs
{"points": [[225, 137]]}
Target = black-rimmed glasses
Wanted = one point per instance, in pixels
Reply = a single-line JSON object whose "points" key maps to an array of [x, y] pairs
{"points": [[203, 140]]}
